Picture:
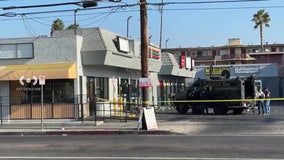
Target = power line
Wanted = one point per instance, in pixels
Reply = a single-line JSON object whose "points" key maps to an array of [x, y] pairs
{"points": [[72, 10], [40, 22], [203, 2], [131, 5], [41, 5], [163, 3], [223, 8], [135, 10], [153, 4], [53, 4], [28, 27]]}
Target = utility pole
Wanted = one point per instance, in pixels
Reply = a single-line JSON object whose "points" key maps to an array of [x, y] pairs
{"points": [[147, 116], [144, 50], [75, 20], [161, 23]]}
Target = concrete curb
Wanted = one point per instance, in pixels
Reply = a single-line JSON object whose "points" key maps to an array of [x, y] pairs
{"points": [[97, 132], [111, 132]]}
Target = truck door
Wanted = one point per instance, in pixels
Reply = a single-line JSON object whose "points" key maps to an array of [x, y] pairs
{"points": [[243, 88], [257, 83]]}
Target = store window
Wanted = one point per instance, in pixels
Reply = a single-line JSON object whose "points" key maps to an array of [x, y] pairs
{"points": [[54, 91], [98, 87], [129, 88], [62, 91], [10, 51]]}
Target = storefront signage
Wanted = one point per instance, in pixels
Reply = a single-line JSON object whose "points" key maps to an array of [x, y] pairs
{"points": [[145, 82], [247, 69], [123, 44], [29, 80], [24, 80], [188, 62], [182, 61], [216, 70], [154, 52], [150, 119]]}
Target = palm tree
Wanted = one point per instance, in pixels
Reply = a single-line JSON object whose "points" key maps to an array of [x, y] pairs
{"points": [[73, 26], [261, 18], [57, 25]]}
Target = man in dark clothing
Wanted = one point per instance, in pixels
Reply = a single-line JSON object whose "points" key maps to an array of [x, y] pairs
{"points": [[204, 96], [267, 101]]}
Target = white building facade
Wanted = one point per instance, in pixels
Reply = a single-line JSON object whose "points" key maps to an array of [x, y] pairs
{"points": [[93, 63]]}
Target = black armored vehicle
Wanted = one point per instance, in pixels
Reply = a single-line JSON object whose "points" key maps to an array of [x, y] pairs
{"points": [[223, 94]]}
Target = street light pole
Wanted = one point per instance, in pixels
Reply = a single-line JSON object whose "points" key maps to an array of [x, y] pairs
{"points": [[161, 23], [167, 44], [150, 39], [127, 27]]}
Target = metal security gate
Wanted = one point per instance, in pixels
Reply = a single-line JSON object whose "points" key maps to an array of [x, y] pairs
{"points": [[116, 110]]}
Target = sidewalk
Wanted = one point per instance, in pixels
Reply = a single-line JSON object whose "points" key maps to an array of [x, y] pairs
{"points": [[71, 127], [116, 127]]}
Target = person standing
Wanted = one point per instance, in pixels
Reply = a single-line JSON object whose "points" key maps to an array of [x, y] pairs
{"points": [[204, 96], [260, 102], [267, 100]]}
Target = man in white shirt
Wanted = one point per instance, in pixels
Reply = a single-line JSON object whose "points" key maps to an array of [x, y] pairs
{"points": [[260, 102]]}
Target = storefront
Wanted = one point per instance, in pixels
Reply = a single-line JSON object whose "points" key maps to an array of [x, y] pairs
{"points": [[94, 62], [175, 74], [23, 97]]}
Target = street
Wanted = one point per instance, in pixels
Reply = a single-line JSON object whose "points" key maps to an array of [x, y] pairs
{"points": [[141, 147], [247, 136]]}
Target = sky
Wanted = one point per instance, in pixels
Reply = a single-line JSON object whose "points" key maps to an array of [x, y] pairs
{"points": [[183, 25]]}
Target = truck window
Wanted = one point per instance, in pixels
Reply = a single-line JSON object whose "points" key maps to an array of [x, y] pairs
{"points": [[233, 84]]}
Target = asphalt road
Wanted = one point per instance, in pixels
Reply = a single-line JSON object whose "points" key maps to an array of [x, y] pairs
{"points": [[248, 123], [208, 137], [132, 147], [277, 115]]}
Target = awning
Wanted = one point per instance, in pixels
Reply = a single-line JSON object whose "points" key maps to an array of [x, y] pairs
{"points": [[50, 71]]}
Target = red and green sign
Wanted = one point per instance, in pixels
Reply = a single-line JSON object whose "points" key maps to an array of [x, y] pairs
{"points": [[154, 52]]}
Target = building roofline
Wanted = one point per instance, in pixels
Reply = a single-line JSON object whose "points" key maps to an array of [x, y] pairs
{"points": [[224, 46]]}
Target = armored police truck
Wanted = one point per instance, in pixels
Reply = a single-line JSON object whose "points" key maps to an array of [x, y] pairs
{"points": [[223, 94]]}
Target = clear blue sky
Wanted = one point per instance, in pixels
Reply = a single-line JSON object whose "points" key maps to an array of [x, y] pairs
{"points": [[187, 25]]}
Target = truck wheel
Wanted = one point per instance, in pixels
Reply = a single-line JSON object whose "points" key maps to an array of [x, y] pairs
{"points": [[182, 108], [238, 110], [221, 108]]}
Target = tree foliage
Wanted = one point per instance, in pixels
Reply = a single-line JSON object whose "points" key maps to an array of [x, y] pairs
{"points": [[261, 18], [73, 26], [59, 25]]}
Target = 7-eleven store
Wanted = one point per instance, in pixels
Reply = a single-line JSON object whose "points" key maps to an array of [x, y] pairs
{"points": [[93, 63]]}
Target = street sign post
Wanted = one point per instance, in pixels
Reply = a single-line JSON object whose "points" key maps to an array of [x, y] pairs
{"points": [[41, 83]]}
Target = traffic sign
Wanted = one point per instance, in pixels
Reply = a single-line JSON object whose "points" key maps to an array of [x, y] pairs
{"points": [[41, 79]]}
